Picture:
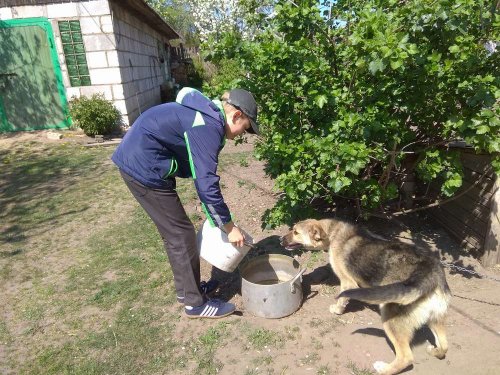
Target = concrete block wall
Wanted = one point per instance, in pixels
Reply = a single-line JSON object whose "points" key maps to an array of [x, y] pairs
{"points": [[138, 58]]}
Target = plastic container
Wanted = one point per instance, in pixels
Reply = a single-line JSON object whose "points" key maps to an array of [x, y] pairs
{"points": [[214, 247]]}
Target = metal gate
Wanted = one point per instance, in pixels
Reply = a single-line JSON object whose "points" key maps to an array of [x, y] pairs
{"points": [[32, 94]]}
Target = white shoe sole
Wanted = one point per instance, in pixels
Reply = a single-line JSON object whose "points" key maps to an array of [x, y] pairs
{"points": [[209, 317]]}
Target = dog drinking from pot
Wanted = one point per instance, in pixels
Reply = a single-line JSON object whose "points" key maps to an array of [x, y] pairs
{"points": [[407, 282]]}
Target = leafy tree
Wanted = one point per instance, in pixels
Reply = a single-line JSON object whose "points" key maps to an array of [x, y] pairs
{"points": [[357, 103], [215, 18], [179, 15], [207, 20]]}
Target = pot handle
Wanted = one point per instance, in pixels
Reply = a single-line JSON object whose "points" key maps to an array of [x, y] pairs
{"points": [[292, 282]]}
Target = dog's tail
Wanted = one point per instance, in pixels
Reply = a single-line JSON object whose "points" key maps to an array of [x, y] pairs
{"points": [[405, 292]]}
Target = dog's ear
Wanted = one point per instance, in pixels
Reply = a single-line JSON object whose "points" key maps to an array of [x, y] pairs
{"points": [[317, 233]]}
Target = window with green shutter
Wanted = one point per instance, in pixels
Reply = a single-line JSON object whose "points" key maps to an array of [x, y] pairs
{"points": [[74, 53]]}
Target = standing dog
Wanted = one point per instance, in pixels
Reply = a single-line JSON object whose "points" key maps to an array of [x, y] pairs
{"points": [[407, 282]]}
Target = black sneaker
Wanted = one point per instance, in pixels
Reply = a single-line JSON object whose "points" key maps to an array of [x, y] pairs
{"points": [[206, 287], [212, 309]]}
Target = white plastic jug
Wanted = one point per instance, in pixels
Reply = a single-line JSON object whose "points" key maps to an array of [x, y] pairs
{"points": [[215, 248]]}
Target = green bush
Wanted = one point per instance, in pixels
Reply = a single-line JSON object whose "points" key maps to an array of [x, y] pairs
{"points": [[95, 115], [227, 75], [359, 105], [196, 73]]}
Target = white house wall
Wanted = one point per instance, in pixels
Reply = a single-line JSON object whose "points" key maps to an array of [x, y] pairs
{"points": [[121, 50], [137, 48]]}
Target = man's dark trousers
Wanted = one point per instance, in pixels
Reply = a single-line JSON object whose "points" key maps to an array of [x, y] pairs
{"points": [[178, 234]]}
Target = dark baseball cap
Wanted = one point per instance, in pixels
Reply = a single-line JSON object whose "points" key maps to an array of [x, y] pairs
{"points": [[245, 102]]}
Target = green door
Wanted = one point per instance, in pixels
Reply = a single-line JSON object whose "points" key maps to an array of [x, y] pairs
{"points": [[32, 94]]}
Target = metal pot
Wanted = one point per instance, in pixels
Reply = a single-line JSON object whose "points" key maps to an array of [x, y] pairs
{"points": [[271, 285]]}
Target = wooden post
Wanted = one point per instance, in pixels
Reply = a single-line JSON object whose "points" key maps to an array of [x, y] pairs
{"points": [[491, 256]]}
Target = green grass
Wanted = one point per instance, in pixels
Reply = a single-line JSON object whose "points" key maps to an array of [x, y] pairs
{"points": [[355, 370], [309, 359], [135, 252], [316, 344], [5, 335], [261, 338], [251, 371], [316, 257], [264, 360], [115, 348], [86, 284], [292, 333], [91, 291], [244, 162], [102, 308], [214, 335], [323, 370], [211, 340], [316, 322], [34, 181], [240, 159]]}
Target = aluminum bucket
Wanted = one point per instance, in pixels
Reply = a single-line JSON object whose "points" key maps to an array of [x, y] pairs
{"points": [[271, 285]]}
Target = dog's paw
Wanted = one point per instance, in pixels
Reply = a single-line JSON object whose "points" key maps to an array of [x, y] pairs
{"points": [[432, 350], [336, 309], [380, 367]]}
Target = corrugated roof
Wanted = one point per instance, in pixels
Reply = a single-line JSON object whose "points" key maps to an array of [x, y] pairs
{"points": [[14, 3], [137, 6], [152, 18]]}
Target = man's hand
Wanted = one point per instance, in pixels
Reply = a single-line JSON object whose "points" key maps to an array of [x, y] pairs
{"points": [[234, 234]]}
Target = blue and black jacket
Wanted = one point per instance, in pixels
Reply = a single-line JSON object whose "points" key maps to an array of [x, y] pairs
{"points": [[182, 139]]}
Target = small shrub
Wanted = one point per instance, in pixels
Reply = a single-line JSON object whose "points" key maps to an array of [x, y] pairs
{"points": [[95, 115], [225, 75], [196, 73]]}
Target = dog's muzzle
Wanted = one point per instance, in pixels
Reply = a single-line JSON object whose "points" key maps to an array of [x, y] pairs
{"points": [[289, 246]]}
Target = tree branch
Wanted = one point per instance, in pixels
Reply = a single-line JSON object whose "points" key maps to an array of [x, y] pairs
{"points": [[384, 179]]}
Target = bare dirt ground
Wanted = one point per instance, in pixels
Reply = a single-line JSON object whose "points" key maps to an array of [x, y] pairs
{"points": [[314, 340], [355, 340]]}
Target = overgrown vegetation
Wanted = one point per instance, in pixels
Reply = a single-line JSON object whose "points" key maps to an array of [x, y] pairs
{"points": [[359, 103], [95, 114]]}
